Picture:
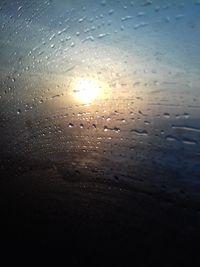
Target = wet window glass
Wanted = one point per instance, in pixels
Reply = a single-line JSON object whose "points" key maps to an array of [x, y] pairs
{"points": [[99, 103]]}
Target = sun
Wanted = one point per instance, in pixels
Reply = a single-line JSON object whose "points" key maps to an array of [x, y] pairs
{"points": [[86, 90]]}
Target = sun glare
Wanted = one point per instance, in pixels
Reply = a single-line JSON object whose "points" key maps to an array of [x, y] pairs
{"points": [[86, 90]]}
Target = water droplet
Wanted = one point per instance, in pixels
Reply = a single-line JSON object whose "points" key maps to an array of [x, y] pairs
{"points": [[179, 16], [103, 2], [71, 125], [186, 128], [81, 19], [189, 141], [110, 12], [117, 130], [105, 128], [147, 3], [141, 14], [186, 115], [171, 138], [126, 18], [166, 115], [140, 132], [19, 8], [101, 35], [19, 111], [167, 19]]}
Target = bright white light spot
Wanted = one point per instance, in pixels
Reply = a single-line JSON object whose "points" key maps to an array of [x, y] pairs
{"points": [[86, 90]]}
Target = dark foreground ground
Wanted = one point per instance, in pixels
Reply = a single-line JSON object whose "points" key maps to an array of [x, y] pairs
{"points": [[91, 220]]}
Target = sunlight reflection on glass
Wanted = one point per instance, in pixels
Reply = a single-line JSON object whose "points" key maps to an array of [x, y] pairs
{"points": [[86, 91]]}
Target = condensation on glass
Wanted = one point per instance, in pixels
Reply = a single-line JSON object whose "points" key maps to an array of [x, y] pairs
{"points": [[103, 88]]}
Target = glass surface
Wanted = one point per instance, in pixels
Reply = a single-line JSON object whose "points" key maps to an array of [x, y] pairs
{"points": [[102, 96]]}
